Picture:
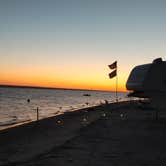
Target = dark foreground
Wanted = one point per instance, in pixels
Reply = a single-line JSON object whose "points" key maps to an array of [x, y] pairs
{"points": [[122, 135]]}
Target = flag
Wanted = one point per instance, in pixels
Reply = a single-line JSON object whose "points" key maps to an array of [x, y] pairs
{"points": [[113, 65], [112, 74]]}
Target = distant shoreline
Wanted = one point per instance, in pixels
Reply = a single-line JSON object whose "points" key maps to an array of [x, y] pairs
{"points": [[39, 87]]}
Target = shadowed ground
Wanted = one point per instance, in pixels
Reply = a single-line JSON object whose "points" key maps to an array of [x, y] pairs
{"points": [[122, 136]]}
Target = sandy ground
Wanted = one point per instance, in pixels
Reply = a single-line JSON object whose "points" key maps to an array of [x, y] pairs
{"points": [[106, 135]]}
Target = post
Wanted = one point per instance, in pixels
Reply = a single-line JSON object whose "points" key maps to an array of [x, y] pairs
{"points": [[157, 107], [157, 114], [37, 111]]}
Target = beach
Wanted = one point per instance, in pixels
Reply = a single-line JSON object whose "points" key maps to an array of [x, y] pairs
{"points": [[114, 134]]}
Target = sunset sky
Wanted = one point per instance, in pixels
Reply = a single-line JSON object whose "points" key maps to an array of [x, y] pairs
{"points": [[70, 43]]}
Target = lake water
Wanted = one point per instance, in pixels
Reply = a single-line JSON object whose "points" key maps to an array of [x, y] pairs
{"points": [[15, 109]]}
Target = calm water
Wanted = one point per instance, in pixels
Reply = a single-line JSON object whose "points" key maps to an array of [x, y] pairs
{"points": [[14, 107]]}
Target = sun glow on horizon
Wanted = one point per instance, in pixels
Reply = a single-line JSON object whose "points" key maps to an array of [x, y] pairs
{"points": [[76, 86], [109, 85], [70, 76]]}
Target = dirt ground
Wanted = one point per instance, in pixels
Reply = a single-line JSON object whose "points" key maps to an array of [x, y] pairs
{"points": [[120, 136]]}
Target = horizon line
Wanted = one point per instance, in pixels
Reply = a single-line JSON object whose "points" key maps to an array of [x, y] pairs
{"points": [[43, 87]]}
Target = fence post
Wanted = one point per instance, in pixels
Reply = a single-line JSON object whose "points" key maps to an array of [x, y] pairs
{"points": [[37, 111]]}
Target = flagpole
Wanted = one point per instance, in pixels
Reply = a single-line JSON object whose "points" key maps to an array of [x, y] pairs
{"points": [[117, 83]]}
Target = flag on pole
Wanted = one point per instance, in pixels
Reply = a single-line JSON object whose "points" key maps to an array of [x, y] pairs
{"points": [[112, 74], [113, 65]]}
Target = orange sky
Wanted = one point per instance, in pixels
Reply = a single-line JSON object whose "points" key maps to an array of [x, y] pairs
{"points": [[110, 86], [77, 77]]}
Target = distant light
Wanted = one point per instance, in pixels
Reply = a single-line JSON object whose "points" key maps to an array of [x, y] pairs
{"points": [[84, 119], [58, 121]]}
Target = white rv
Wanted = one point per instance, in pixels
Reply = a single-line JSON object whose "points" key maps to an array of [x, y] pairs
{"points": [[149, 81]]}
